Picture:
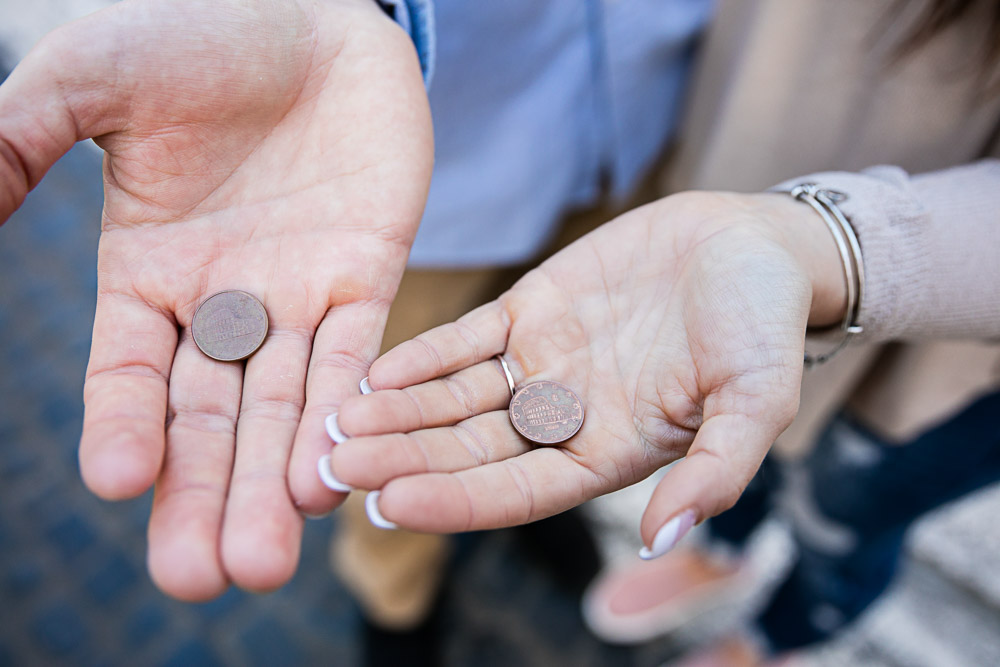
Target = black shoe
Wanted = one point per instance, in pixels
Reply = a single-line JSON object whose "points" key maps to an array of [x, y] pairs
{"points": [[417, 647], [547, 542]]}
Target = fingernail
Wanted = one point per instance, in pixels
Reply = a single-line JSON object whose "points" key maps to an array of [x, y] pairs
{"points": [[669, 535], [310, 515], [333, 429], [371, 507], [365, 387], [327, 477]]}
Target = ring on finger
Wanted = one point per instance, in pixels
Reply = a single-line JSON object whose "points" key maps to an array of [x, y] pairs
{"points": [[506, 372]]}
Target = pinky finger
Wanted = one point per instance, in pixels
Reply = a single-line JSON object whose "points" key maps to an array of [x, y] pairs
{"points": [[473, 338]]}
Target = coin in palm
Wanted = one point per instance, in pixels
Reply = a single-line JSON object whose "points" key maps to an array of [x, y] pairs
{"points": [[230, 325], [546, 412]]}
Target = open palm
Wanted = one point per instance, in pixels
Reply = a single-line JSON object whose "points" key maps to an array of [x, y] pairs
{"points": [[681, 327], [277, 147]]}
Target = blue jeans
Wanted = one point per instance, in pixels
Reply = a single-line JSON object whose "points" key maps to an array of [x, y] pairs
{"points": [[855, 496]]}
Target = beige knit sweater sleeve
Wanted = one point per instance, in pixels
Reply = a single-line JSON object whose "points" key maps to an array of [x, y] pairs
{"points": [[931, 249]]}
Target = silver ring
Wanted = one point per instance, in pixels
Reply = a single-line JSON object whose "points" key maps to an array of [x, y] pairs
{"points": [[506, 371]]}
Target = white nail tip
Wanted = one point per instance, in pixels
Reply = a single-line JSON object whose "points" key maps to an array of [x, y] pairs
{"points": [[374, 515], [326, 476], [669, 535], [333, 429], [365, 387]]}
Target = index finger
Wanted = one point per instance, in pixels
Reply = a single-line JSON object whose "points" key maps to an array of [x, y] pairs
{"points": [[477, 336], [125, 396]]}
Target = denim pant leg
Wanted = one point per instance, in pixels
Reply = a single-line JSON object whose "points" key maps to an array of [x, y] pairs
{"points": [[851, 506], [734, 526]]}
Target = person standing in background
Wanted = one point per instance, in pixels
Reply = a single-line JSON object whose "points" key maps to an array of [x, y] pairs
{"points": [[904, 90]]}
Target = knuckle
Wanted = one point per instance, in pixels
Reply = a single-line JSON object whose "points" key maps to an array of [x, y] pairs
{"points": [[201, 420], [431, 351], [474, 445], [342, 360], [463, 394], [278, 408], [527, 494]]}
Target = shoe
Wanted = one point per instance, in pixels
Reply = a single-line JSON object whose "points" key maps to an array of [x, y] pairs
{"points": [[547, 543], [650, 599], [420, 645]]}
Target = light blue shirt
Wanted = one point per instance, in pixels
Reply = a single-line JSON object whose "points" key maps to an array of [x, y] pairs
{"points": [[535, 102]]}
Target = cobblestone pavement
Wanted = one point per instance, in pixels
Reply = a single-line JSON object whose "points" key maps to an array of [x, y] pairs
{"points": [[73, 585]]}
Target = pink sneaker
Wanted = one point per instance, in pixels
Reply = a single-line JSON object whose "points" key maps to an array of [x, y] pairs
{"points": [[649, 599]]}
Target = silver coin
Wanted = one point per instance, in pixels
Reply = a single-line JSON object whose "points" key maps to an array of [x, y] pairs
{"points": [[229, 326]]}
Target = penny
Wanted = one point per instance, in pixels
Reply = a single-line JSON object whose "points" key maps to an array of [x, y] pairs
{"points": [[229, 326], [546, 412]]}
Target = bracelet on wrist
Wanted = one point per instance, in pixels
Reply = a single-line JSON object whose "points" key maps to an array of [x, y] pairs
{"points": [[825, 203]]}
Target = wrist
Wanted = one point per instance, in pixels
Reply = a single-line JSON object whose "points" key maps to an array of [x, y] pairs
{"points": [[416, 18], [805, 235]]}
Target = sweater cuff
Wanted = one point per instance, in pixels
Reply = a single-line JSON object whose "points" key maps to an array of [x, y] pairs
{"points": [[416, 17], [930, 246]]}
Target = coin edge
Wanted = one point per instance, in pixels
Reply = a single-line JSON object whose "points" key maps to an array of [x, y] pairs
{"points": [[259, 344]]}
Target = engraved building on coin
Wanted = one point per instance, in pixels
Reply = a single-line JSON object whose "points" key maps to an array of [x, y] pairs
{"points": [[539, 411], [546, 412], [224, 324]]}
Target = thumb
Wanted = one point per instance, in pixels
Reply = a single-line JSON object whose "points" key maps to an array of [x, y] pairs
{"points": [[722, 460], [52, 99]]}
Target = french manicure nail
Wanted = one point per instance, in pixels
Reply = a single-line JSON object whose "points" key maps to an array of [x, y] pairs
{"points": [[327, 477], [374, 515], [365, 387], [333, 429], [669, 535]]}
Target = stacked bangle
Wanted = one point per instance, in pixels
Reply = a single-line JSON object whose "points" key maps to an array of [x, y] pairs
{"points": [[824, 202]]}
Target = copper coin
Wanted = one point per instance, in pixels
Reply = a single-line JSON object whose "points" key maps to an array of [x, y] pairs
{"points": [[229, 326], [546, 412]]}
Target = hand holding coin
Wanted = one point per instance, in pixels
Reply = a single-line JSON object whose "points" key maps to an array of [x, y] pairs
{"points": [[678, 339], [238, 154]]}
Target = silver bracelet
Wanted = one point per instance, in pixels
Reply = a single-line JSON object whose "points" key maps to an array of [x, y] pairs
{"points": [[825, 202]]}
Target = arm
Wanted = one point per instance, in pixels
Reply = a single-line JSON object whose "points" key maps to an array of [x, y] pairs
{"points": [[680, 324]]}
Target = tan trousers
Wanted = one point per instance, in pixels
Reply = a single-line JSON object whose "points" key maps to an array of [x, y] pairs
{"points": [[394, 574]]}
